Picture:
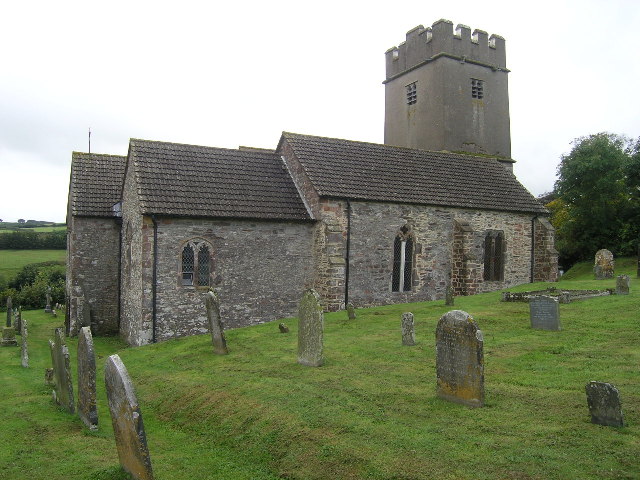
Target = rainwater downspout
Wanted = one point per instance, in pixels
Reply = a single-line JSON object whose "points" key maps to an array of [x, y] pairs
{"points": [[154, 279], [533, 245], [348, 253]]}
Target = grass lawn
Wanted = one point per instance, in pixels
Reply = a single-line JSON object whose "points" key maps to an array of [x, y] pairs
{"points": [[11, 261], [34, 229], [370, 412]]}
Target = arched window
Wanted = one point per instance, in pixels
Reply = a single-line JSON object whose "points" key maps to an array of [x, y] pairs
{"points": [[494, 256], [196, 264], [402, 261]]}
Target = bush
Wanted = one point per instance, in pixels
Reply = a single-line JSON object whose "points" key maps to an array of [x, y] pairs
{"points": [[29, 287], [27, 240]]}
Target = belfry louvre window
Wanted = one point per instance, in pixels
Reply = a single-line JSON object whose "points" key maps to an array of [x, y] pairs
{"points": [[477, 88], [195, 264], [402, 262], [494, 256], [412, 94]]}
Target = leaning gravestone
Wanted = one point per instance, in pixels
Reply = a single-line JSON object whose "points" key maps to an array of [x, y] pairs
{"points": [[215, 324], [9, 309], [9, 337], [408, 331], [24, 352], [623, 283], [126, 417], [448, 301], [351, 311], [544, 312], [460, 359], [63, 381], [310, 330], [604, 404], [87, 406], [604, 264]]}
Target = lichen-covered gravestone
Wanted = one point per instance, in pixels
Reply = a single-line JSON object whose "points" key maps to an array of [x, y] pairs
{"points": [[544, 312], [351, 311], [283, 328], [460, 359], [63, 381], [623, 283], [24, 352], [215, 324], [9, 310], [126, 417], [87, 406], [310, 330], [604, 404], [448, 301], [17, 318], [604, 264], [9, 337], [408, 331]]}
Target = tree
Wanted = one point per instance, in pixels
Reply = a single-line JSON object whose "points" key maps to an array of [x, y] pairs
{"points": [[21, 220], [598, 198]]}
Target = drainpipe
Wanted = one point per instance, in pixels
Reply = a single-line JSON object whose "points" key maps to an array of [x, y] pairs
{"points": [[155, 277], [348, 253], [533, 245]]}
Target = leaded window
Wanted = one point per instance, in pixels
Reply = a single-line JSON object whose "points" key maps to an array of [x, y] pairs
{"points": [[196, 264], [494, 250], [402, 274]]}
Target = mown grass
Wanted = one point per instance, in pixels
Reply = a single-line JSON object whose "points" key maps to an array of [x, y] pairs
{"points": [[34, 229], [11, 261], [369, 412]]}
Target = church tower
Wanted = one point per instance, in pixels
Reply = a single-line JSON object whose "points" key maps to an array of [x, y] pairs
{"points": [[447, 90]]}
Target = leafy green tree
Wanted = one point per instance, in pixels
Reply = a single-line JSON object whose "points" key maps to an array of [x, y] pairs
{"points": [[598, 198]]}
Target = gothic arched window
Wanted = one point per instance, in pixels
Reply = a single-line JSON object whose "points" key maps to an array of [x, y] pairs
{"points": [[494, 256], [402, 261], [196, 264]]}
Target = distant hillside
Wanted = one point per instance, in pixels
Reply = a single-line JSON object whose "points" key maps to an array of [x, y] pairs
{"points": [[38, 225]]}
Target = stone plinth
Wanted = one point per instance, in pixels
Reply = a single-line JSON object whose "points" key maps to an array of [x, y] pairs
{"points": [[9, 337]]}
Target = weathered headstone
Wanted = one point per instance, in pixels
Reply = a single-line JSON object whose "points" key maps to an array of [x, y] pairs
{"points": [[216, 326], [17, 318], [63, 388], [85, 312], [604, 404], [604, 264], [24, 352], [9, 337], [87, 406], [623, 283], [460, 359], [310, 330], [47, 307], [48, 377], [126, 417], [9, 311], [448, 301], [408, 331], [544, 312], [283, 328], [351, 311]]}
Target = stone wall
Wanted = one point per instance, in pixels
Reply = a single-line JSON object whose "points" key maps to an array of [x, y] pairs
{"points": [[545, 267], [93, 246], [259, 269]]}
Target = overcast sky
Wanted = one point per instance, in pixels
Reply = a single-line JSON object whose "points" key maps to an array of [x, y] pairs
{"points": [[230, 73]]}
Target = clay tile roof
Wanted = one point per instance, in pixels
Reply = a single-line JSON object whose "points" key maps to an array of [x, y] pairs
{"points": [[188, 180], [370, 171], [96, 183]]}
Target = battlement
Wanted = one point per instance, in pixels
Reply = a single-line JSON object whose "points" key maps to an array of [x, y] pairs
{"points": [[423, 45]]}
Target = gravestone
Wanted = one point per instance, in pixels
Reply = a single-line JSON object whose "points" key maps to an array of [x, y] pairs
{"points": [[460, 359], [24, 352], [17, 318], [9, 337], [87, 406], [544, 312], [47, 307], [63, 381], [310, 330], [126, 417], [604, 404], [48, 377], [449, 297], [216, 326], [351, 311], [9, 311], [283, 328], [408, 331], [604, 264], [85, 312], [623, 283]]}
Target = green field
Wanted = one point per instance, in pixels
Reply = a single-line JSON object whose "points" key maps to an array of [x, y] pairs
{"points": [[11, 261], [34, 229], [369, 413]]}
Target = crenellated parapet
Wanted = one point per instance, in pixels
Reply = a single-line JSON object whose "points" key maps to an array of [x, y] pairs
{"points": [[424, 45]]}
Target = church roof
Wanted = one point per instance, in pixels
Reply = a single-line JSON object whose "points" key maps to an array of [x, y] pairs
{"points": [[195, 181], [96, 183], [377, 172]]}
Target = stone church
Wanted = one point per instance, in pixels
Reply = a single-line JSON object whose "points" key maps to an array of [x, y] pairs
{"points": [[435, 206]]}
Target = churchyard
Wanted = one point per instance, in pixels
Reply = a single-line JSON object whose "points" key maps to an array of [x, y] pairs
{"points": [[370, 411]]}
